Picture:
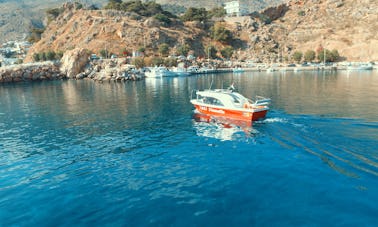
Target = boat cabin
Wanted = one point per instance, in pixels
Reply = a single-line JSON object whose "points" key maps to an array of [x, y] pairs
{"points": [[224, 98]]}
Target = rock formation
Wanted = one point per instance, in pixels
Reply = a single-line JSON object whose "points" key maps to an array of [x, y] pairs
{"points": [[74, 61]]}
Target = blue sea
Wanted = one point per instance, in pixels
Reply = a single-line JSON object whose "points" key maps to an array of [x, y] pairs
{"points": [[81, 153]]}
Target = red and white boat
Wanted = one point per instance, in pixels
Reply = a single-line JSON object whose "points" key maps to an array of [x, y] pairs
{"points": [[226, 103]]}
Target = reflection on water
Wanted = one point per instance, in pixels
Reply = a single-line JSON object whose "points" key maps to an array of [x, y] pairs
{"points": [[224, 129]]}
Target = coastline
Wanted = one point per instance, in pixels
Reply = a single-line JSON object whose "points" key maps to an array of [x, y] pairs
{"points": [[117, 70]]}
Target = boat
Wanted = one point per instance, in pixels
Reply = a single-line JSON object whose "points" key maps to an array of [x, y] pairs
{"points": [[181, 71], [158, 72], [227, 103], [237, 70], [359, 66], [206, 70], [193, 69]]}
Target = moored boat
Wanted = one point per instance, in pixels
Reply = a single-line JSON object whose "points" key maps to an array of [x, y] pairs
{"points": [[160, 72], [359, 66], [229, 104]]}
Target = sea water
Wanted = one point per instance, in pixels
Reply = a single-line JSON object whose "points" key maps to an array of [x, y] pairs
{"points": [[131, 154]]}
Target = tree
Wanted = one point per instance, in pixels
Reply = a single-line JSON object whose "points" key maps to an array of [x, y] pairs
{"points": [[335, 56], [42, 56], [36, 57], [183, 50], [50, 55], [114, 4], [328, 56], [211, 52], [195, 14], [297, 56], [221, 34], [217, 12], [309, 55], [227, 52], [164, 49], [163, 18]]}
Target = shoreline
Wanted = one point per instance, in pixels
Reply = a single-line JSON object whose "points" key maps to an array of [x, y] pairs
{"points": [[46, 71]]}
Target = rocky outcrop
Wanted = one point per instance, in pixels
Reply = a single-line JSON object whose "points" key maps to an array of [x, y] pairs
{"points": [[31, 72], [273, 13], [110, 70], [97, 70], [74, 61]]}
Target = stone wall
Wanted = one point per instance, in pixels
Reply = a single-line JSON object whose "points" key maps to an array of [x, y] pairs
{"points": [[31, 72]]}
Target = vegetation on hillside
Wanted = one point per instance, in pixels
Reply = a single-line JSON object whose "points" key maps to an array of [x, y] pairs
{"points": [[35, 34], [147, 9], [47, 56]]}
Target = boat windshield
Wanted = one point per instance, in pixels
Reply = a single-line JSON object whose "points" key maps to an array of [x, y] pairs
{"points": [[235, 98], [212, 101]]}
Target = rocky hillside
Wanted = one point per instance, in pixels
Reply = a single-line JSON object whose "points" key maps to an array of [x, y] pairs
{"points": [[116, 32], [18, 16], [349, 26]]}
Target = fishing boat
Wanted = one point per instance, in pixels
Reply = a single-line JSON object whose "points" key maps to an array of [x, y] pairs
{"points": [[227, 103]]}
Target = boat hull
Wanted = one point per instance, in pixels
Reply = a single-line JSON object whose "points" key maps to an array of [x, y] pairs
{"points": [[243, 115]]}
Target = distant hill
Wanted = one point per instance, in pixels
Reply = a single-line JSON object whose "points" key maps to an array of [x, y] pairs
{"points": [[17, 16]]}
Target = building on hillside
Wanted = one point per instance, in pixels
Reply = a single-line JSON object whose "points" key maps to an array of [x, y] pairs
{"points": [[236, 8]]}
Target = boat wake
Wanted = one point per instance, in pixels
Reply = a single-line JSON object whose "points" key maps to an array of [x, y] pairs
{"points": [[345, 151], [272, 120]]}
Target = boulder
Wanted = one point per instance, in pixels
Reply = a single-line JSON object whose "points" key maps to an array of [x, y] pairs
{"points": [[74, 62]]}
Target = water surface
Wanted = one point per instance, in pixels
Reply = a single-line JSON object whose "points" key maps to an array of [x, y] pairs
{"points": [[130, 154]]}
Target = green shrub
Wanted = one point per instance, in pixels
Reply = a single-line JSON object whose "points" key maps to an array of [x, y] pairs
{"points": [[183, 50], [104, 53], [36, 57], [211, 52], [195, 14], [164, 49], [221, 34], [217, 12], [163, 18], [309, 55], [297, 56]]}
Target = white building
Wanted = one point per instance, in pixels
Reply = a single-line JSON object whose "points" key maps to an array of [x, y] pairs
{"points": [[236, 8]]}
